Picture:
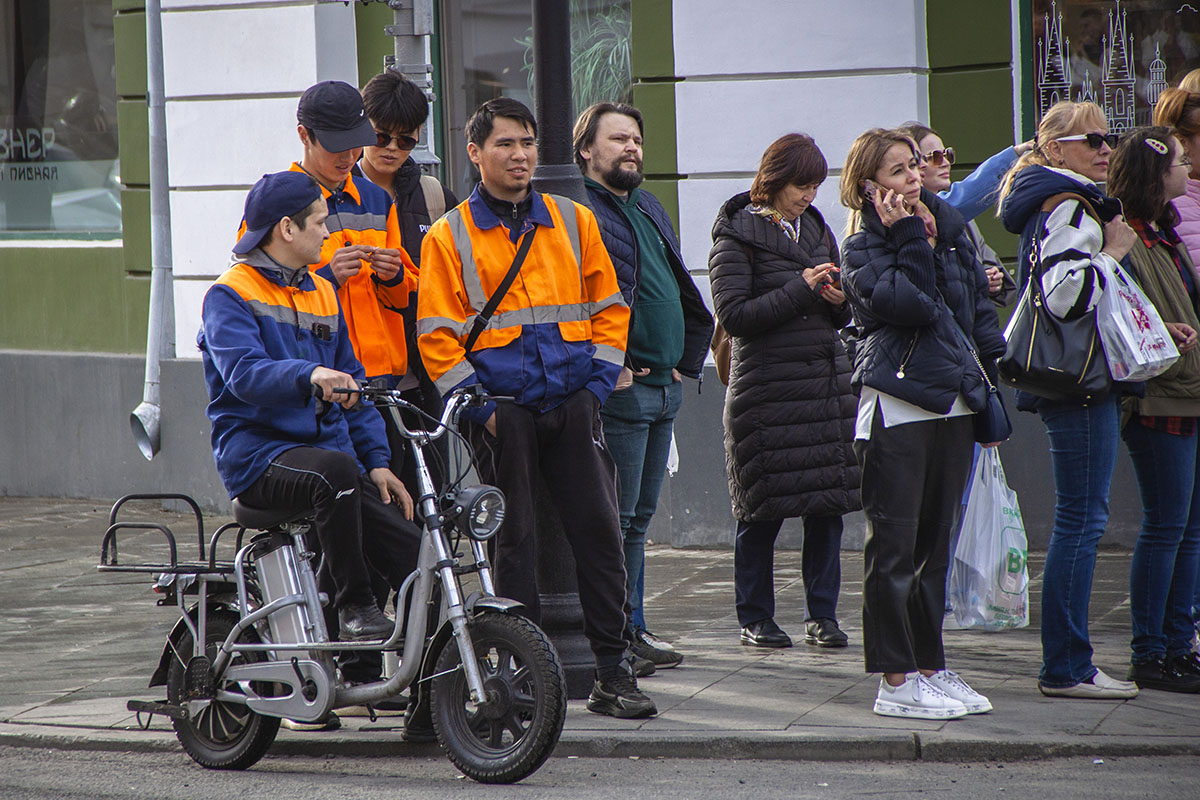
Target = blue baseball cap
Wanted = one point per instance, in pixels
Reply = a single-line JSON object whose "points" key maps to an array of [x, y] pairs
{"points": [[275, 196]]}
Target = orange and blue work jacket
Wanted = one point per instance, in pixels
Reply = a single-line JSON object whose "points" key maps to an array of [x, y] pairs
{"points": [[560, 328], [362, 213], [265, 329]]}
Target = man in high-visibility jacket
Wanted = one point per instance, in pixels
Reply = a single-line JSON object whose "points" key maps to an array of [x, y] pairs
{"points": [[555, 344], [363, 257], [271, 332]]}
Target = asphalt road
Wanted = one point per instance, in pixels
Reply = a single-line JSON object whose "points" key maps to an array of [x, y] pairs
{"points": [[33, 774]]}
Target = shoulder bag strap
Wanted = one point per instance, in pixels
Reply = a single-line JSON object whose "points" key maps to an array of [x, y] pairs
{"points": [[484, 316]]}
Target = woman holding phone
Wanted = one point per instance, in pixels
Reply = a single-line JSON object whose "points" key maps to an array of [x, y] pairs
{"points": [[920, 301], [789, 413]]}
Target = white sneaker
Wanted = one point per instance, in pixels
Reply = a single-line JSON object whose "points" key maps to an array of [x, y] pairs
{"points": [[953, 685], [916, 698]]}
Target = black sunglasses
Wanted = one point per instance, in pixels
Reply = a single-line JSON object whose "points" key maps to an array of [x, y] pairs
{"points": [[1094, 140], [402, 141]]}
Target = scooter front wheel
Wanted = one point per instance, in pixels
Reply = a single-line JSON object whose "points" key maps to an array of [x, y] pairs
{"points": [[225, 735], [512, 733]]}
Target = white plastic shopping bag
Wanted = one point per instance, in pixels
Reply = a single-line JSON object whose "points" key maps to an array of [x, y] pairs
{"points": [[1137, 344], [989, 581]]}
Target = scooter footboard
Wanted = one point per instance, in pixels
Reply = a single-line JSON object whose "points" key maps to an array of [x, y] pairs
{"points": [[300, 689]]}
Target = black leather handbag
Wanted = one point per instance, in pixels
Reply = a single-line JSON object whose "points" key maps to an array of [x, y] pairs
{"points": [[1058, 359]]}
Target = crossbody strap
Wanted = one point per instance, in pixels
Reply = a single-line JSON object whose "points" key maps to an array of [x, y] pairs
{"points": [[484, 316]]}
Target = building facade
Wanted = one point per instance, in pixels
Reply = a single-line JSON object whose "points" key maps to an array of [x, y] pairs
{"points": [[717, 83]]}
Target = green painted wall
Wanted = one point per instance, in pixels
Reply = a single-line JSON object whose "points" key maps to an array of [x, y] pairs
{"points": [[653, 61], [970, 89], [93, 299]]}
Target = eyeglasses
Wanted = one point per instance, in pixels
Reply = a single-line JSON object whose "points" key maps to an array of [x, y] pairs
{"points": [[936, 157], [402, 141], [1183, 162], [1094, 140]]}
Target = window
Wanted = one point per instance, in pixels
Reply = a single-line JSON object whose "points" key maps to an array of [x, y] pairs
{"points": [[488, 53], [59, 172], [1115, 53]]}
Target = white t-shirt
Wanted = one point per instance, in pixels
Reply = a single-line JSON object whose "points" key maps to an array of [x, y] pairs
{"points": [[896, 411]]}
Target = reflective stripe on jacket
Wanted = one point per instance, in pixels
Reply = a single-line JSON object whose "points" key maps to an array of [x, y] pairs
{"points": [[260, 340], [362, 213], [560, 328]]}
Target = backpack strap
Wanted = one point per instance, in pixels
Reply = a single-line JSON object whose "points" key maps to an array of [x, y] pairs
{"points": [[435, 198]]}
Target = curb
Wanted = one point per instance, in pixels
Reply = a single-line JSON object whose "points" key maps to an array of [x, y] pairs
{"points": [[757, 746]]}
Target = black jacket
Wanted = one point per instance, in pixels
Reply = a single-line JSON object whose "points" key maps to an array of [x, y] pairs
{"points": [[900, 288], [789, 410], [621, 243]]}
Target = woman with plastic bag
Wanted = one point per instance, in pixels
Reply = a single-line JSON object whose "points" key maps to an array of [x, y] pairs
{"points": [[929, 334], [1073, 234], [1150, 169]]}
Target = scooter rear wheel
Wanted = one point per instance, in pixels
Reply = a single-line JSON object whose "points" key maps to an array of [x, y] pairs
{"points": [[224, 735], [513, 733]]}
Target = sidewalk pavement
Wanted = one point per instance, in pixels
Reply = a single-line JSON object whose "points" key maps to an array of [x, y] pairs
{"points": [[75, 644]]}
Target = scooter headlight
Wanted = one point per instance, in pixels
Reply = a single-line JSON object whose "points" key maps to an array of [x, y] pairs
{"points": [[478, 511]]}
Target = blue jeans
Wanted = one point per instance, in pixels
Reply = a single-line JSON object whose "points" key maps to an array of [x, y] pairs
{"points": [[1083, 452], [1162, 576], [638, 422]]}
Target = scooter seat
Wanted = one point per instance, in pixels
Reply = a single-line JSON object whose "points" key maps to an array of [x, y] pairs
{"points": [[266, 518]]}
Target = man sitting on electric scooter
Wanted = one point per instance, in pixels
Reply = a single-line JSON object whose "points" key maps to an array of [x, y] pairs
{"points": [[270, 333]]}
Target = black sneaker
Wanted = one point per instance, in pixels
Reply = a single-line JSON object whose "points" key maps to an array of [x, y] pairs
{"points": [[616, 694], [363, 621], [1165, 676], [663, 659], [642, 666], [1187, 664]]}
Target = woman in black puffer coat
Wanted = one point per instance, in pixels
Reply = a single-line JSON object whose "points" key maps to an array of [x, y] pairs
{"points": [[789, 412]]}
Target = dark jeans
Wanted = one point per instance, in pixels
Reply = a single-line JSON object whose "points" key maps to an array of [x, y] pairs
{"points": [[1083, 452], [1162, 576], [367, 546], [638, 422], [754, 568], [912, 483], [566, 447]]}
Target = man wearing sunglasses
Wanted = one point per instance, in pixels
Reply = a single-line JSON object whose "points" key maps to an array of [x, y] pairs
{"points": [[396, 109]]}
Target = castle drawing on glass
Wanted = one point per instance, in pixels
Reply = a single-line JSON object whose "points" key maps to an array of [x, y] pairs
{"points": [[1104, 64]]}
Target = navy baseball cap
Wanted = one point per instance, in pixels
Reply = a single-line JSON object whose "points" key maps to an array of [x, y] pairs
{"points": [[275, 196], [334, 111]]}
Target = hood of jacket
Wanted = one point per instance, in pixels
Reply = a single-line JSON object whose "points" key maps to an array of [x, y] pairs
{"points": [[757, 230], [1034, 184]]}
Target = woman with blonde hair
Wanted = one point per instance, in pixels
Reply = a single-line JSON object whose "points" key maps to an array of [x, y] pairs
{"points": [[920, 300], [1076, 235]]}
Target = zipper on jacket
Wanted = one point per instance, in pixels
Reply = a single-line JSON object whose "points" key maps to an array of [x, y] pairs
{"points": [[907, 355]]}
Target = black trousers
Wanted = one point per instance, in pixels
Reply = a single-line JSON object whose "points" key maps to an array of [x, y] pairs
{"points": [[566, 447], [754, 567], [913, 477], [368, 547], [402, 463]]}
